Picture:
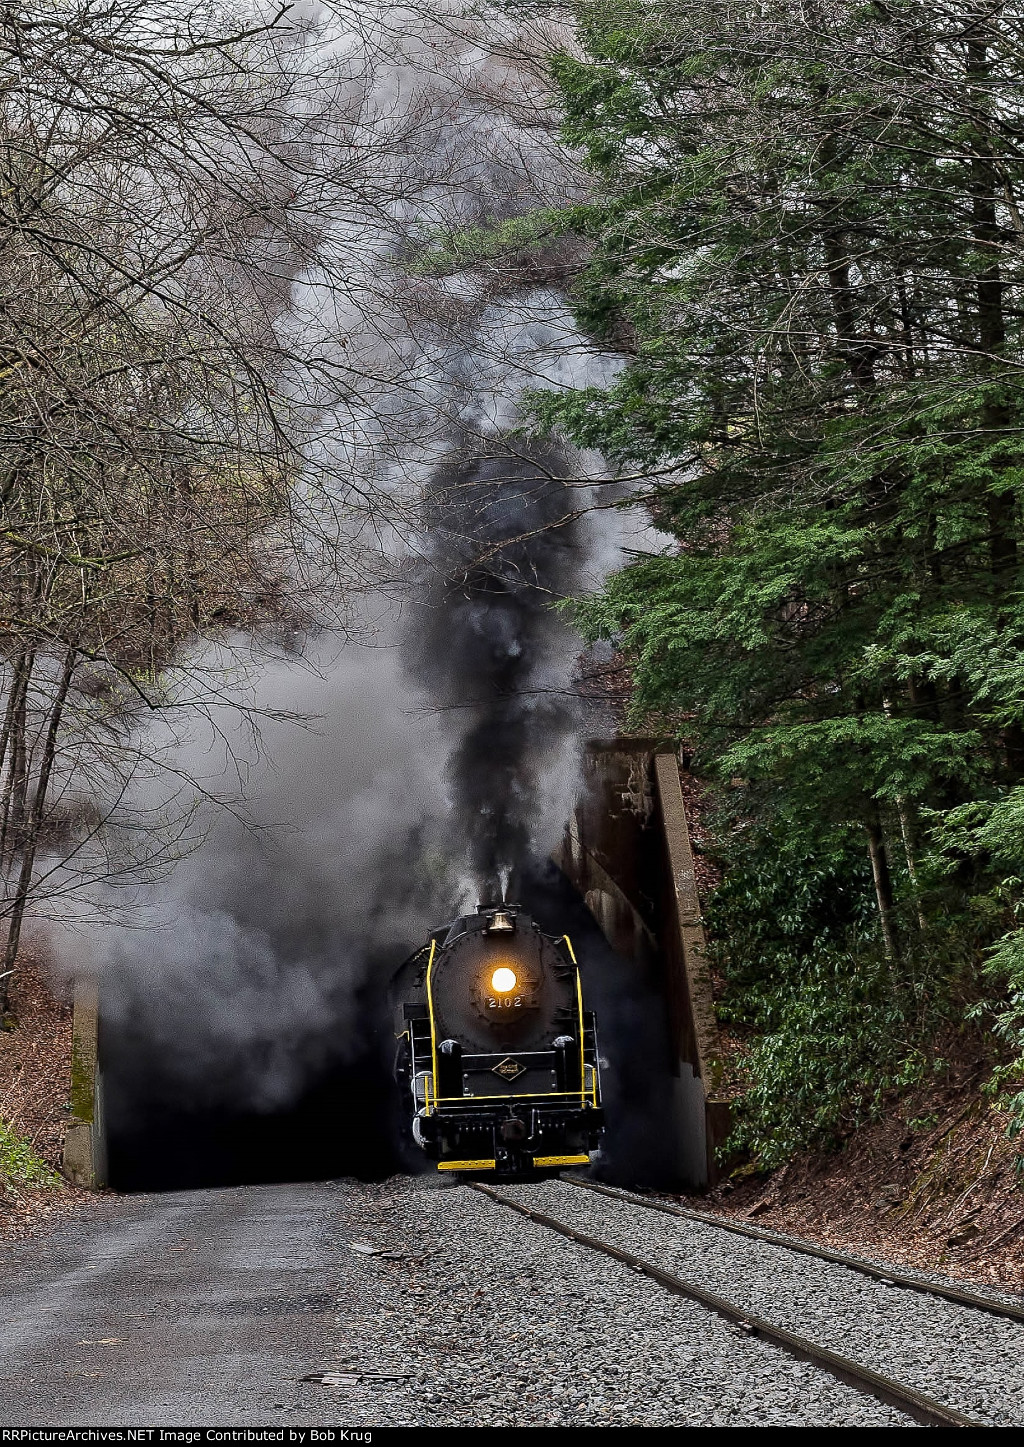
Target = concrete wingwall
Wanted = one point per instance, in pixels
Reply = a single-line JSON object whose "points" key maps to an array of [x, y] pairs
{"points": [[85, 1161], [628, 851]]}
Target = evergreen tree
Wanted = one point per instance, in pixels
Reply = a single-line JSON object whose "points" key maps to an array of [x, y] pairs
{"points": [[806, 238]]}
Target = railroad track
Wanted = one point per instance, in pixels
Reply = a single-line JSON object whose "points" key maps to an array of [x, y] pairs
{"points": [[917, 1405], [959, 1295]]}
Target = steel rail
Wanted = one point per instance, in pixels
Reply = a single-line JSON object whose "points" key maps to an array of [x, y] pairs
{"points": [[773, 1238], [914, 1404]]}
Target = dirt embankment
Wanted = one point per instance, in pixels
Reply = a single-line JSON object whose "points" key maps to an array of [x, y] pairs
{"points": [[35, 1078], [935, 1184]]}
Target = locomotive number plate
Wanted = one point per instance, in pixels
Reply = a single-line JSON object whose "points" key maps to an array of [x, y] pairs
{"points": [[510, 1002]]}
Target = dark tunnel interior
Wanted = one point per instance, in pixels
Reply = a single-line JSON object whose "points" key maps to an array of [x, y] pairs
{"points": [[340, 1126], [346, 1122]]}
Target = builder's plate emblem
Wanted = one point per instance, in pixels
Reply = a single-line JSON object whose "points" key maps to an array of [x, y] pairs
{"points": [[509, 1069]]}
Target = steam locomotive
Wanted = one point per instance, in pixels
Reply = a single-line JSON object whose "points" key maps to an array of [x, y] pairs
{"points": [[497, 1059]]}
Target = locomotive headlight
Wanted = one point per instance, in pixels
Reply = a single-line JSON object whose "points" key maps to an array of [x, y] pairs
{"points": [[503, 980]]}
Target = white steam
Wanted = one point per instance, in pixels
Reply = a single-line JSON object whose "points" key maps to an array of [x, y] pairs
{"points": [[241, 967]]}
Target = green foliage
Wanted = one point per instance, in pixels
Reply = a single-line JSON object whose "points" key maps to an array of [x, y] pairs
{"points": [[18, 1165], [830, 1024], [778, 906], [994, 830], [445, 254], [806, 240], [841, 1037], [1005, 965]]}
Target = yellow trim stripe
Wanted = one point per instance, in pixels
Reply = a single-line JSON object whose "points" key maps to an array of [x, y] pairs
{"points": [[471, 1165], [561, 1160]]}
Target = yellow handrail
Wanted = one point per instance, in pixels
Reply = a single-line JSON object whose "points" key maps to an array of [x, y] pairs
{"points": [[433, 1028]]}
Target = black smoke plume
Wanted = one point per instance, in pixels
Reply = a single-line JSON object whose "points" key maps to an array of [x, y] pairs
{"points": [[502, 545]]}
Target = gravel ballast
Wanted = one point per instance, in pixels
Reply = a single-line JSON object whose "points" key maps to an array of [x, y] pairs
{"points": [[965, 1358], [505, 1323]]}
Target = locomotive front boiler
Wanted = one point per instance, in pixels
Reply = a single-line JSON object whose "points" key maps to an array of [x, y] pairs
{"points": [[497, 1057]]}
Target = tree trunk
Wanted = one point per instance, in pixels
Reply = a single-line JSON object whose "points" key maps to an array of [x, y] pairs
{"points": [[883, 886], [12, 806], [907, 835], [990, 288], [32, 827], [21, 672]]}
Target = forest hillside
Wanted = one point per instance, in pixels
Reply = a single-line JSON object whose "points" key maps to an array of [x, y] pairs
{"points": [[799, 233]]}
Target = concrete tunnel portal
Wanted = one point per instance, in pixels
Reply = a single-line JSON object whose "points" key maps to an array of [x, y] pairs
{"points": [[621, 883]]}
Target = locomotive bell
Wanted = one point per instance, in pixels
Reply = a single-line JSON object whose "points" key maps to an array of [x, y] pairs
{"points": [[501, 923]]}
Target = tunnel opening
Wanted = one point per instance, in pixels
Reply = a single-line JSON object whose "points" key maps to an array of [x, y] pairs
{"points": [[160, 1138], [160, 1135]]}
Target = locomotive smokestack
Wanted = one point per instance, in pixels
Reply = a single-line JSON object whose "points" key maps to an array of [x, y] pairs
{"points": [[502, 923]]}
